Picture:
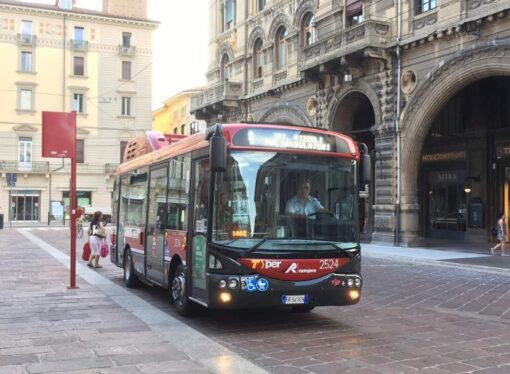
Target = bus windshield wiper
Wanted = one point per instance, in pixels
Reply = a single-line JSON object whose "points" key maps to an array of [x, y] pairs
{"points": [[262, 241]]}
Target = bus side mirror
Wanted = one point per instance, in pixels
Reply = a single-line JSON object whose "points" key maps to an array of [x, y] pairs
{"points": [[218, 151], [365, 171]]}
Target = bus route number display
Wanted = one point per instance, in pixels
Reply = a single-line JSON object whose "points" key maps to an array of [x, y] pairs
{"points": [[289, 139]]}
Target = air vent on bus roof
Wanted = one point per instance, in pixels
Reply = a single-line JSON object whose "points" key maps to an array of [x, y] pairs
{"points": [[143, 144]]}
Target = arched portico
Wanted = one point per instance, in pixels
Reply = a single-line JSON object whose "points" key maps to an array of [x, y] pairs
{"points": [[286, 113], [436, 89]]}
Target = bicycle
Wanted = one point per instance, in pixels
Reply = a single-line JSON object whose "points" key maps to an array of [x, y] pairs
{"points": [[79, 229]]}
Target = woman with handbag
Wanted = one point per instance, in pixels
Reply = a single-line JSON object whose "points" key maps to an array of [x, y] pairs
{"points": [[97, 235]]}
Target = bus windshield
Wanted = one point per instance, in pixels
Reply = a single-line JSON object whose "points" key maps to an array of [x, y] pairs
{"points": [[271, 201]]}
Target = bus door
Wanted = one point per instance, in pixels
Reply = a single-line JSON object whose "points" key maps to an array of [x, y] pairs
{"points": [[156, 223], [199, 232]]}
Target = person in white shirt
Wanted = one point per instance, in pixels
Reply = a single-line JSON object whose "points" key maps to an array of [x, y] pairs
{"points": [[302, 205]]}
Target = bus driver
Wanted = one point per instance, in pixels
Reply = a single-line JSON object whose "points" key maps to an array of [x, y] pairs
{"points": [[302, 205]]}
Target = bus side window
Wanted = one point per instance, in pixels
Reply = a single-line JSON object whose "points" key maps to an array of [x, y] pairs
{"points": [[178, 194]]}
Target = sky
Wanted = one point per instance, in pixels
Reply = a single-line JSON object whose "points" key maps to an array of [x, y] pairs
{"points": [[180, 44]]}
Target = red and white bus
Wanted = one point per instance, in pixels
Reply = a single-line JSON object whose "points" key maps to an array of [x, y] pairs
{"points": [[215, 217]]}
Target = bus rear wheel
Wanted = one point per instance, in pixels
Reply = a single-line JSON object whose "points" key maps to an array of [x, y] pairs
{"points": [[178, 292], [130, 278]]}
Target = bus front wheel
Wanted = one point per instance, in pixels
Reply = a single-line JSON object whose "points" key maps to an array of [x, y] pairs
{"points": [[130, 278], [178, 292]]}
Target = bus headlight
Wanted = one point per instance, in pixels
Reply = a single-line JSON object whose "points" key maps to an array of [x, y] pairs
{"points": [[225, 297], [357, 282], [233, 283], [354, 294], [222, 283], [350, 282]]}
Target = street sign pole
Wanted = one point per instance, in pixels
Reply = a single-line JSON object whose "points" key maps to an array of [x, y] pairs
{"points": [[73, 222]]}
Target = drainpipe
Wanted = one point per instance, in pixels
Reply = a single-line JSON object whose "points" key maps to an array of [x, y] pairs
{"points": [[397, 122]]}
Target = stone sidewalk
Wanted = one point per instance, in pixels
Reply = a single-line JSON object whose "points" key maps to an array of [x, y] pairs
{"points": [[99, 328]]}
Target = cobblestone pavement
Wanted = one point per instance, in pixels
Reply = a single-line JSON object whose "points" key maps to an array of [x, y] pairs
{"points": [[47, 328], [414, 317]]}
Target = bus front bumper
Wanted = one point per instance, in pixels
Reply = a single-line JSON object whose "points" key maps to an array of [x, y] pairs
{"points": [[255, 291]]}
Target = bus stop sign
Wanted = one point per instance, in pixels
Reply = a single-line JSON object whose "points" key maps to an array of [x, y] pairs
{"points": [[11, 179]]}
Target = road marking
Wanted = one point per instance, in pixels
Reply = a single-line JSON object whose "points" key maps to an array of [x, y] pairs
{"points": [[196, 345]]}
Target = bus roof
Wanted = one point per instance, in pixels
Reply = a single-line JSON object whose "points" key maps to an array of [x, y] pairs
{"points": [[254, 136]]}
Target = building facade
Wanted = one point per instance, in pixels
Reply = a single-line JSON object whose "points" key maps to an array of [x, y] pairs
{"points": [[424, 83], [60, 58], [174, 116]]}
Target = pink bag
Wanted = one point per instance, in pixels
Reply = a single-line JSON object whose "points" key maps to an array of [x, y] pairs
{"points": [[104, 250]]}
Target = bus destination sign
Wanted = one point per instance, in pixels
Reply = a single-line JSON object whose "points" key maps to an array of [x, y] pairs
{"points": [[288, 139]]}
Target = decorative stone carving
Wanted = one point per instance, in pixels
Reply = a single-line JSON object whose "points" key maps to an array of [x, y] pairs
{"points": [[280, 20], [425, 21], [408, 82], [473, 4], [286, 112], [256, 33], [311, 106]]}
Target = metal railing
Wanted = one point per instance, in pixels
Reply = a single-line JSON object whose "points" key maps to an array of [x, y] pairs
{"points": [[41, 167], [26, 40], [79, 45], [129, 51]]}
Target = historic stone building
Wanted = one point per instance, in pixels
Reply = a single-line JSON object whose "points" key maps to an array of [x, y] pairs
{"points": [[424, 83], [58, 57]]}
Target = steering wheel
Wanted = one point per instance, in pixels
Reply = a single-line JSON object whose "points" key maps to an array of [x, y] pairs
{"points": [[318, 215]]}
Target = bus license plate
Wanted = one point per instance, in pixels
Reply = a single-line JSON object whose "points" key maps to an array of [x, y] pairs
{"points": [[294, 299]]}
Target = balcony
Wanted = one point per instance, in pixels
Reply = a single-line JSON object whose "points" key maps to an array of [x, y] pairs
{"points": [[26, 40], [79, 45], [226, 94], [36, 167], [350, 41], [127, 51]]}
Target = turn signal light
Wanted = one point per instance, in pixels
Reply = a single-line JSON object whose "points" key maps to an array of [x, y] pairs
{"points": [[225, 297]]}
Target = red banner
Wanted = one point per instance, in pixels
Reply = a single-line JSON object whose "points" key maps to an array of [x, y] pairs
{"points": [[294, 269]]}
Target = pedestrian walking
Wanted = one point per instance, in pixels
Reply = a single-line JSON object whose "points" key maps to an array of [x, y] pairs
{"points": [[97, 234], [501, 234]]}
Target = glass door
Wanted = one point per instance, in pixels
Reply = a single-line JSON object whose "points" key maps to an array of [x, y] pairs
{"points": [[199, 233], [156, 223]]}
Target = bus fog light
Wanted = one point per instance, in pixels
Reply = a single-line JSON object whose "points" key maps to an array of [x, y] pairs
{"points": [[350, 282], [232, 283], [222, 283], [357, 282], [354, 294], [225, 297]]}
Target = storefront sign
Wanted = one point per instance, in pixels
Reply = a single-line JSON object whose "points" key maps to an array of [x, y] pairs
{"points": [[444, 156]]}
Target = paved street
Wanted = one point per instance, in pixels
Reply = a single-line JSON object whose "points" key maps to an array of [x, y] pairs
{"points": [[423, 315]]}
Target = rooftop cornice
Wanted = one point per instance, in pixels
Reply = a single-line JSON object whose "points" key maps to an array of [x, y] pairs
{"points": [[82, 14]]}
